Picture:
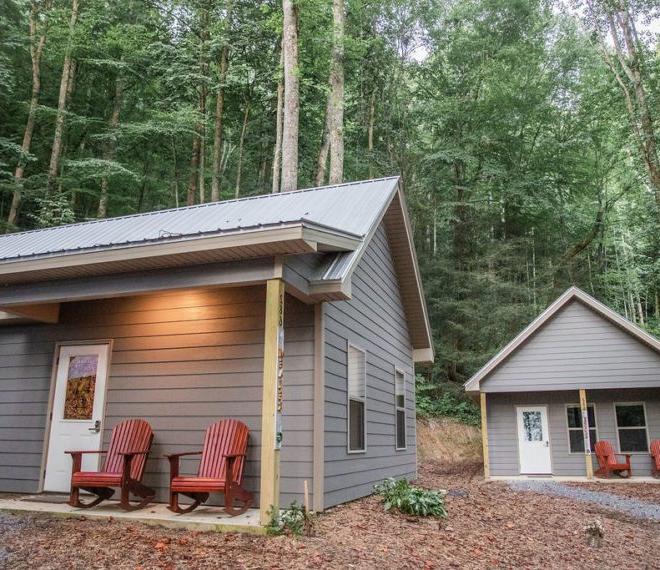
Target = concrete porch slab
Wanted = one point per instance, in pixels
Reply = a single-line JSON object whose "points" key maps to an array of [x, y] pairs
{"points": [[203, 518], [564, 479]]}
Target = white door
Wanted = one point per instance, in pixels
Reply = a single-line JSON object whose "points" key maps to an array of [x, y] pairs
{"points": [[77, 414], [533, 440]]}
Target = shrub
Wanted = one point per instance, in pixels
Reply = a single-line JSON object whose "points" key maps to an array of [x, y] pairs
{"points": [[435, 400], [295, 519], [406, 498]]}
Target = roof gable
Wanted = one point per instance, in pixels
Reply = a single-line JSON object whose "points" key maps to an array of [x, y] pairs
{"points": [[535, 327]]}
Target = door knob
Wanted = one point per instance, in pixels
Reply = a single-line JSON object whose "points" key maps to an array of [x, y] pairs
{"points": [[547, 444], [97, 427]]}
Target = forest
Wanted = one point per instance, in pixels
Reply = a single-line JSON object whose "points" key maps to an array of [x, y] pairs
{"points": [[524, 132]]}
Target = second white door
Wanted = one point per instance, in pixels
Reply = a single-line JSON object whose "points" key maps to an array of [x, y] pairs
{"points": [[534, 440]]}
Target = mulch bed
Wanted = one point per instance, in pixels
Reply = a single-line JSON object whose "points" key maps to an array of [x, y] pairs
{"points": [[489, 526]]}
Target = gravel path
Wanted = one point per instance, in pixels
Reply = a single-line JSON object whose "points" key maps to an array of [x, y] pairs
{"points": [[638, 509]]}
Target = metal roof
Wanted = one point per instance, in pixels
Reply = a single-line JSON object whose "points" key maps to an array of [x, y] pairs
{"points": [[349, 208]]}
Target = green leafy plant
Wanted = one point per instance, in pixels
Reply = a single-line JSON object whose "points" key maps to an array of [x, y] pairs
{"points": [[400, 495], [442, 400], [293, 520]]}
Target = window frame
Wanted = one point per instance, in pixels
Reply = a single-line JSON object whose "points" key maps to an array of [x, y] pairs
{"points": [[569, 428], [396, 412], [646, 427], [350, 451]]}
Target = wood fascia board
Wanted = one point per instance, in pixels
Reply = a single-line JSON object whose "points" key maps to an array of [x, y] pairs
{"points": [[246, 238], [327, 240], [571, 294], [423, 355], [337, 287], [418, 277], [248, 272], [43, 312]]}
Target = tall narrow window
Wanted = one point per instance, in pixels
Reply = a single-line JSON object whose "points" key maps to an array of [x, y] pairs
{"points": [[631, 427], [400, 404], [575, 436], [357, 398]]}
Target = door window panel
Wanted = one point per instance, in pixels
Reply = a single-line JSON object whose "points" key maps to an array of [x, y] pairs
{"points": [[532, 426], [80, 385]]}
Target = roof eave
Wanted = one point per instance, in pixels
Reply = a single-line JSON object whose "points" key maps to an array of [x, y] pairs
{"points": [[304, 237]]}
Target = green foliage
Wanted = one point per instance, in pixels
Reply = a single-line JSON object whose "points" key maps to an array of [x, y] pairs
{"points": [[294, 520], [401, 496], [445, 400], [509, 130]]}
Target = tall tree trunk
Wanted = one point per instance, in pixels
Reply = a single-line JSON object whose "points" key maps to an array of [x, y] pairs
{"points": [[111, 151], [370, 132], [68, 72], [632, 85], [239, 167], [216, 172], [322, 162], [291, 98], [202, 161], [196, 161], [337, 95], [216, 177], [194, 170], [277, 149], [36, 49]]}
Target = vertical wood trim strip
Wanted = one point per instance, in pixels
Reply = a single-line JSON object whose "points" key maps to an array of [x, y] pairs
{"points": [[318, 499], [585, 429], [484, 434], [270, 457]]}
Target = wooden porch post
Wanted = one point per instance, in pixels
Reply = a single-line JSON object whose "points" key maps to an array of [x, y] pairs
{"points": [[586, 434], [484, 433], [271, 405]]}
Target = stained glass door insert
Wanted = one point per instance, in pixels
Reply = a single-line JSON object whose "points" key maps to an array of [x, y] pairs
{"points": [[80, 386]]}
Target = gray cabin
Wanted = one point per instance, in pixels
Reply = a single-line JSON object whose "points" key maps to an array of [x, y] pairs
{"points": [[578, 360], [167, 313]]}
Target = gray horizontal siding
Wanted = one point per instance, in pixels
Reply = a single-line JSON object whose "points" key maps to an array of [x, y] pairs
{"points": [[577, 348], [374, 321], [503, 435], [181, 361]]}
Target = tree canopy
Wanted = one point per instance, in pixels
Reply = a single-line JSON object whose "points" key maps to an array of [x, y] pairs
{"points": [[524, 131]]}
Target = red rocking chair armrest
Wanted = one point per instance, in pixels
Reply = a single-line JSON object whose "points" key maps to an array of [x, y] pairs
{"points": [[83, 451], [233, 455], [176, 455], [133, 452]]}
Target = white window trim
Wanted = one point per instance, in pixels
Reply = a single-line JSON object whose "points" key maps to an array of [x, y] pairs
{"points": [[646, 427], [350, 451], [405, 413], [569, 428]]}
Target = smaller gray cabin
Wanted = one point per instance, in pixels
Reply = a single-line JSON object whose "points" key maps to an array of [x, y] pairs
{"points": [[578, 359]]}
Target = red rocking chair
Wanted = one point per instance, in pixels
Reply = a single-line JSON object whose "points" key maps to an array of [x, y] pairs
{"points": [[123, 468], [655, 458], [220, 470], [607, 461]]}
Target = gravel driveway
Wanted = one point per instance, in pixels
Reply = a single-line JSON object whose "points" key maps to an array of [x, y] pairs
{"points": [[633, 507]]}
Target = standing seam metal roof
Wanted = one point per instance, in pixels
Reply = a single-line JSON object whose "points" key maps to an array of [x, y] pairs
{"points": [[348, 208]]}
